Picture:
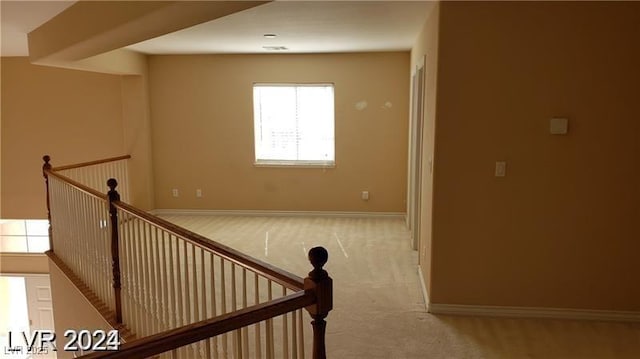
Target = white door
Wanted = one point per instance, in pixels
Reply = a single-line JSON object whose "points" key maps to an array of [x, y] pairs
{"points": [[40, 307]]}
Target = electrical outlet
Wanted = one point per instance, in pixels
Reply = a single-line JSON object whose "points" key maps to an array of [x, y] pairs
{"points": [[175, 192], [365, 195], [199, 193]]}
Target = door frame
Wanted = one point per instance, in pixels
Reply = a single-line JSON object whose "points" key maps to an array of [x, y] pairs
{"points": [[414, 192]]}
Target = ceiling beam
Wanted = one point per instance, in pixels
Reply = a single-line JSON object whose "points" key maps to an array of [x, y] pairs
{"points": [[90, 28]]}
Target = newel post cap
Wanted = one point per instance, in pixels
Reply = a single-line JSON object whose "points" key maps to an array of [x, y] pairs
{"points": [[112, 184], [113, 194], [319, 283], [46, 165], [318, 256]]}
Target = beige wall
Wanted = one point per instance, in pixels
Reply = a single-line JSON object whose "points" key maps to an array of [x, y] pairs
{"points": [[137, 139], [71, 310], [561, 229], [71, 115], [202, 114], [23, 263], [1, 140], [425, 53], [116, 62]]}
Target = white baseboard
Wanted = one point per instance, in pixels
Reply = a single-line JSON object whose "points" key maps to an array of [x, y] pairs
{"points": [[425, 293], [269, 213], [533, 312]]}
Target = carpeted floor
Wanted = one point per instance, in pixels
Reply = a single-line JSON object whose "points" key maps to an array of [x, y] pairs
{"points": [[378, 304]]}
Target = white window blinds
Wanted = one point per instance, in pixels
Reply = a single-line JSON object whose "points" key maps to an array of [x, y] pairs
{"points": [[294, 124]]}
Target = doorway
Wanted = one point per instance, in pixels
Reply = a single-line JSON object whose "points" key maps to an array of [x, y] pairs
{"points": [[25, 306], [415, 156]]}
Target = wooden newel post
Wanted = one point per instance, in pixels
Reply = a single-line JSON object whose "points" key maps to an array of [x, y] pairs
{"points": [[115, 252], [47, 167], [321, 285]]}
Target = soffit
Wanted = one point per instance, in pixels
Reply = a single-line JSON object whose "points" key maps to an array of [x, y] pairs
{"points": [[301, 27]]}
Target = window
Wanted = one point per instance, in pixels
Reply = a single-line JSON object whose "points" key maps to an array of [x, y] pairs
{"points": [[24, 236], [294, 124]]}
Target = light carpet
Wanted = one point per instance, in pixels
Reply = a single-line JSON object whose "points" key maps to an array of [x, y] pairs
{"points": [[378, 305]]}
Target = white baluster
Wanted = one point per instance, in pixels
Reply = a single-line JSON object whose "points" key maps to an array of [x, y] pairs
{"points": [[269, 326], [179, 292], [203, 292], [294, 338], [301, 347], [194, 283], [187, 284], [130, 238], [125, 259], [157, 279], [139, 279], [173, 317], [146, 292], [166, 308], [213, 302], [223, 305], [235, 336], [285, 330], [245, 330], [256, 289]]}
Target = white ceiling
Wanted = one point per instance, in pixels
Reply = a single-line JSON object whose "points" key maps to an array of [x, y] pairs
{"points": [[18, 18], [300, 26]]}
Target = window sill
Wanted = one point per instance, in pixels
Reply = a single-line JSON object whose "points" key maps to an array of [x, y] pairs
{"points": [[295, 164]]}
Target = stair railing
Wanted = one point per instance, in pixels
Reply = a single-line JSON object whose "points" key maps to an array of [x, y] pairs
{"points": [[94, 174], [177, 292]]}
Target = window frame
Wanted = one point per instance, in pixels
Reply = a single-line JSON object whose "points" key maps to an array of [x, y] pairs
{"points": [[293, 163], [25, 235]]}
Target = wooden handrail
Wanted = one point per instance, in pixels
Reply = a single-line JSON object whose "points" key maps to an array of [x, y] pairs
{"points": [[276, 274], [91, 163], [78, 185], [188, 334]]}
